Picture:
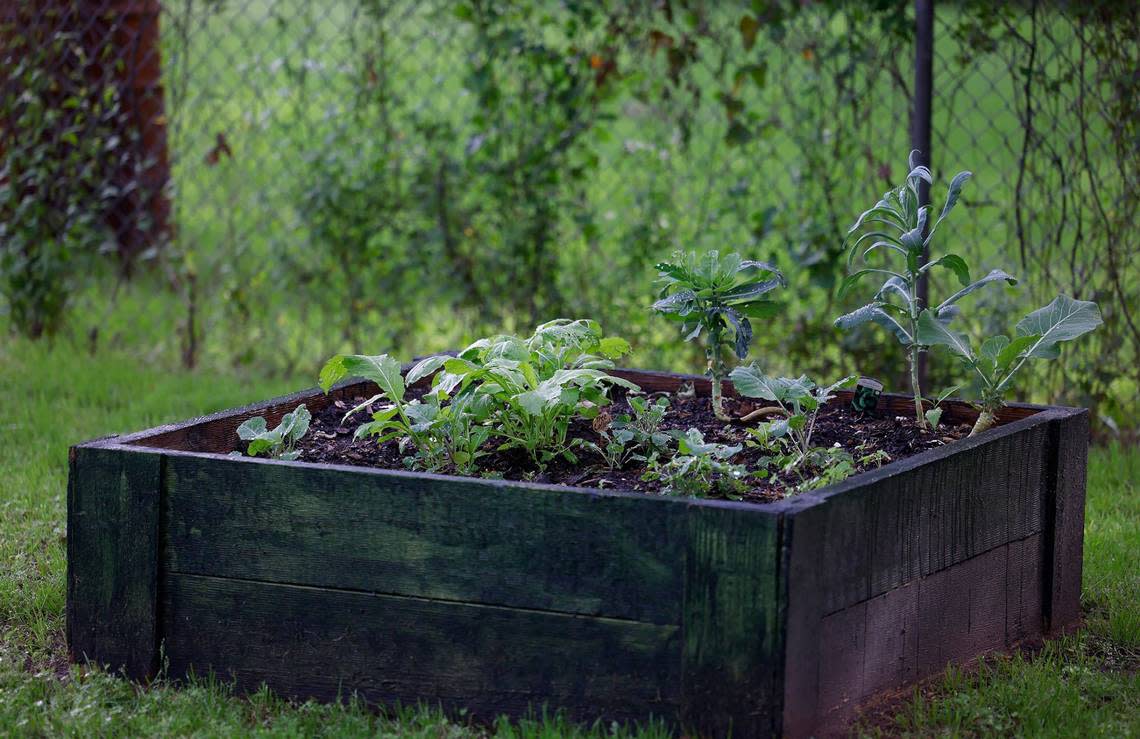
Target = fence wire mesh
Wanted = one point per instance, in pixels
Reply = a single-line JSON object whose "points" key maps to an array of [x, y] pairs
{"points": [[278, 179]]}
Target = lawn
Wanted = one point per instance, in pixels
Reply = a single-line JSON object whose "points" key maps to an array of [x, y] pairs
{"points": [[1087, 685]]}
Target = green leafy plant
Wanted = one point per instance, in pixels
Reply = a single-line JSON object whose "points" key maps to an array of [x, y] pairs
{"points": [[535, 387], [635, 436], [411, 421], [998, 359], [699, 469], [836, 464], [895, 227], [717, 296], [798, 401], [279, 442], [934, 415]]}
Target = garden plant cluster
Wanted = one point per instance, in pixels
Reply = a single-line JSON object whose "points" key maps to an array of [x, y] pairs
{"points": [[525, 394]]}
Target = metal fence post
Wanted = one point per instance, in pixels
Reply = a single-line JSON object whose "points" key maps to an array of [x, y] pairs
{"points": [[920, 124]]}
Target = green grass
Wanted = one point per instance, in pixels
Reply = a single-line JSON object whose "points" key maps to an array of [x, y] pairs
{"points": [[1086, 685]]}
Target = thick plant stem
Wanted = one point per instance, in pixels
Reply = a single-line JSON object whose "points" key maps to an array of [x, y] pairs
{"points": [[718, 400], [986, 420], [919, 416]]}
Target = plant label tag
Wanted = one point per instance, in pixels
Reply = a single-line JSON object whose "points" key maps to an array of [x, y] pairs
{"points": [[867, 392]]}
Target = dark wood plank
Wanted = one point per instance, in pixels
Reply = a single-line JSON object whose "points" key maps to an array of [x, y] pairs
{"points": [[449, 538], [803, 527], [733, 641], [925, 513], [112, 558], [328, 644], [1025, 586], [1067, 513]]}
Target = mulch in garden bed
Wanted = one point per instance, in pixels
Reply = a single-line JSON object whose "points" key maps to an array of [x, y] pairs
{"points": [[330, 440]]}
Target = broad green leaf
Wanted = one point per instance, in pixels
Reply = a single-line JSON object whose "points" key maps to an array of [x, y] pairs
{"points": [[996, 275], [933, 332], [743, 332], [1014, 350], [874, 313], [992, 347], [1064, 319], [425, 367], [251, 428], [613, 347], [954, 263], [897, 286], [933, 416]]}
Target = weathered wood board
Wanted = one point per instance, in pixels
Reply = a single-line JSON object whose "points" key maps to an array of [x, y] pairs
{"points": [[501, 597]]}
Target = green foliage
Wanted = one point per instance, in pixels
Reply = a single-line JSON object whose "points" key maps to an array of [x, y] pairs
{"points": [[535, 387], [634, 437], [999, 358], [895, 228], [699, 469], [279, 442], [934, 415], [717, 297], [61, 139], [799, 401]]}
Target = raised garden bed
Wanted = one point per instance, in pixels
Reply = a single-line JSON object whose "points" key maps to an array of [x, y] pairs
{"points": [[322, 580]]}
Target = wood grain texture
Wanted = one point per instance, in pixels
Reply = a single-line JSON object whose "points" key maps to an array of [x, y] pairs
{"points": [[112, 558], [328, 644], [431, 536], [732, 632], [986, 603], [928, 512], [1070, 435]]}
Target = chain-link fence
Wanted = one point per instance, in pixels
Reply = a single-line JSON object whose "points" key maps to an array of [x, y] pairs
{"points": [[394, 175]]}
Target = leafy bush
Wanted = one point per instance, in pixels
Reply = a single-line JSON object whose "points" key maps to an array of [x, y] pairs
{"points": [[999, 358], [717, 297], [60, 138], [895, 227], [280, 442]]}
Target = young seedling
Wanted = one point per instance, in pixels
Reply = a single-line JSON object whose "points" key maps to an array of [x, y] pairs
{"points": [[999, 358], [412, 422], [894, 228], [634, 437], [934, 415], [717, 296], [798, 402], [699, 469], [278, 443]]}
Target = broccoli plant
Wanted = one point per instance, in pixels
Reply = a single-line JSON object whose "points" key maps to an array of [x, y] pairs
{"points": [[797, 400], [717, 296], [699, 468], [894, 227], [999, 358], [279, 442]]}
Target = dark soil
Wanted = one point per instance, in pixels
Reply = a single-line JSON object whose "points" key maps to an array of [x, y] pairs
{"points": [[330, 440]]}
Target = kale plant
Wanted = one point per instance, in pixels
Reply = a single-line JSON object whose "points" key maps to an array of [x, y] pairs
{"points": [[278, 443], [999, 358], [717, 296], [894, 227], [699, 468], [535, 387]]}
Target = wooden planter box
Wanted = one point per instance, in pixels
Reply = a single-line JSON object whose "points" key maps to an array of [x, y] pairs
{"points": [[324, 580]]}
